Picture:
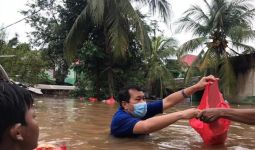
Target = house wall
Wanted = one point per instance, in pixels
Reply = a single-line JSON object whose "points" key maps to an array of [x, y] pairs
{"points": [[246, 80]]}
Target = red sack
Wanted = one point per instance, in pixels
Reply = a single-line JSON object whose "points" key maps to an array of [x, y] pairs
{"points": [[92, 99], [110, 101], [216, 132]]}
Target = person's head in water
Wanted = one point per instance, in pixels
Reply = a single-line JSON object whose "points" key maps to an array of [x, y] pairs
{"points": [[18, 128], [131, 100]]}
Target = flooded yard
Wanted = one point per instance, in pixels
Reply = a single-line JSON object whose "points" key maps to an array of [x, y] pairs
{"points": [[85, 126]]}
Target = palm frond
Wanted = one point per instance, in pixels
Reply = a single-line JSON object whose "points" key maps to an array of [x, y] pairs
{"points": [[118, 39], [194, 67], [238, 14], [226, 20], [137, 24], [243, 47], [169, 42], [96, 10], [74, 37], [210, 61], [158, 72], [241, 34], [166, 48], [197, 13], [227, 76], [219, 18], [162, 7], [191, 45], [208, 6], [190, 24], [234, 51], [249, 14], [158, 6]]}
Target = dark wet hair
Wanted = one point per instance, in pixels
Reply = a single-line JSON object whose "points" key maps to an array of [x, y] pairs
{"points": [[14, 103], [124, 94]]}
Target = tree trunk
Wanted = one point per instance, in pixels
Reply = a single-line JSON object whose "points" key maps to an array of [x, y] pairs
{"points": [[97, 84], [61, 73], [109, 63], [110, 81]]}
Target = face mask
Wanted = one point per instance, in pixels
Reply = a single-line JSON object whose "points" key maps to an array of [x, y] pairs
{"points": [[140, 110]]}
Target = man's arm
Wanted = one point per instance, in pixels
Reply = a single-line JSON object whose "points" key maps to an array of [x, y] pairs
{"points": [[177, 97], [159, 122], [246, 116]]}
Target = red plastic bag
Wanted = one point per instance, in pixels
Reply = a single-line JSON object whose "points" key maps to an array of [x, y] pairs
{"points": [[92, 99], [110, 101], [216, 132]]}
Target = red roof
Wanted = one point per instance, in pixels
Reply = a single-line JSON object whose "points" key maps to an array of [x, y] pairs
{"points": [[188, 59]]}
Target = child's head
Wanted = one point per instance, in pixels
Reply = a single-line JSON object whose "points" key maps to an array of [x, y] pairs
{"points": [[17, 117]]}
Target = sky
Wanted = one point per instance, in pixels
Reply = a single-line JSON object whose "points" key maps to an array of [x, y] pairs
{"points": [[9, 13]]}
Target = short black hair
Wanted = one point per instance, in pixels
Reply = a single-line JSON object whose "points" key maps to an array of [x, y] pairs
{"points": [[15, 101], [124, 93]]}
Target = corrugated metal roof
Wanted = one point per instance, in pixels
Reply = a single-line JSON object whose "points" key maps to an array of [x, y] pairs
{"points": [[188, 59], [54, 87]]}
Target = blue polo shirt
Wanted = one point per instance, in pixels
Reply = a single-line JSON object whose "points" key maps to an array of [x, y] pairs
{"points": [[123, 123]]}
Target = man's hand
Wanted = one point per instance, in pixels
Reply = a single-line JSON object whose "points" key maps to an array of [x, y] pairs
{"points": [[210, 114], [205, 81], [190, 113]]}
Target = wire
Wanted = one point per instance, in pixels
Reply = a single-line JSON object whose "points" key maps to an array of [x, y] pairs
{"points": [[26, 18], [19, 20]]}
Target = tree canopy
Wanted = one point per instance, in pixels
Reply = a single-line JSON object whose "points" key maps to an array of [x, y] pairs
{"points": [[221, 29]]}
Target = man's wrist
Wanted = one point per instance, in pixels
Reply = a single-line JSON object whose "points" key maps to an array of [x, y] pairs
{"points": [[184, 94], [195, 88], [180, 115], [224, 112]]}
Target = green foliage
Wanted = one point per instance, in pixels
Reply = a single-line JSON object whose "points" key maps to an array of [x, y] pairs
{"points": [[116, 18], [158, 76], [93, 68], [106, 37], [116, 25], [51, 29], [90, 65], [26, 66], [84, 86], [44, 78], [221, 27]]}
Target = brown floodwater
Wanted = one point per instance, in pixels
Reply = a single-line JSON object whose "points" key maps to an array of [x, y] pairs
{"points": [[85, 126]]}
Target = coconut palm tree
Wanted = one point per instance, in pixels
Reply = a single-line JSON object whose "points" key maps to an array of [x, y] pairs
{"points": [[221, 28], [114, 19], [158, 76], [117, 17]]}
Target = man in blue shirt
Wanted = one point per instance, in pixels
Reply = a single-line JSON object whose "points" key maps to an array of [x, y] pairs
{"points": [[136, 117]]}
